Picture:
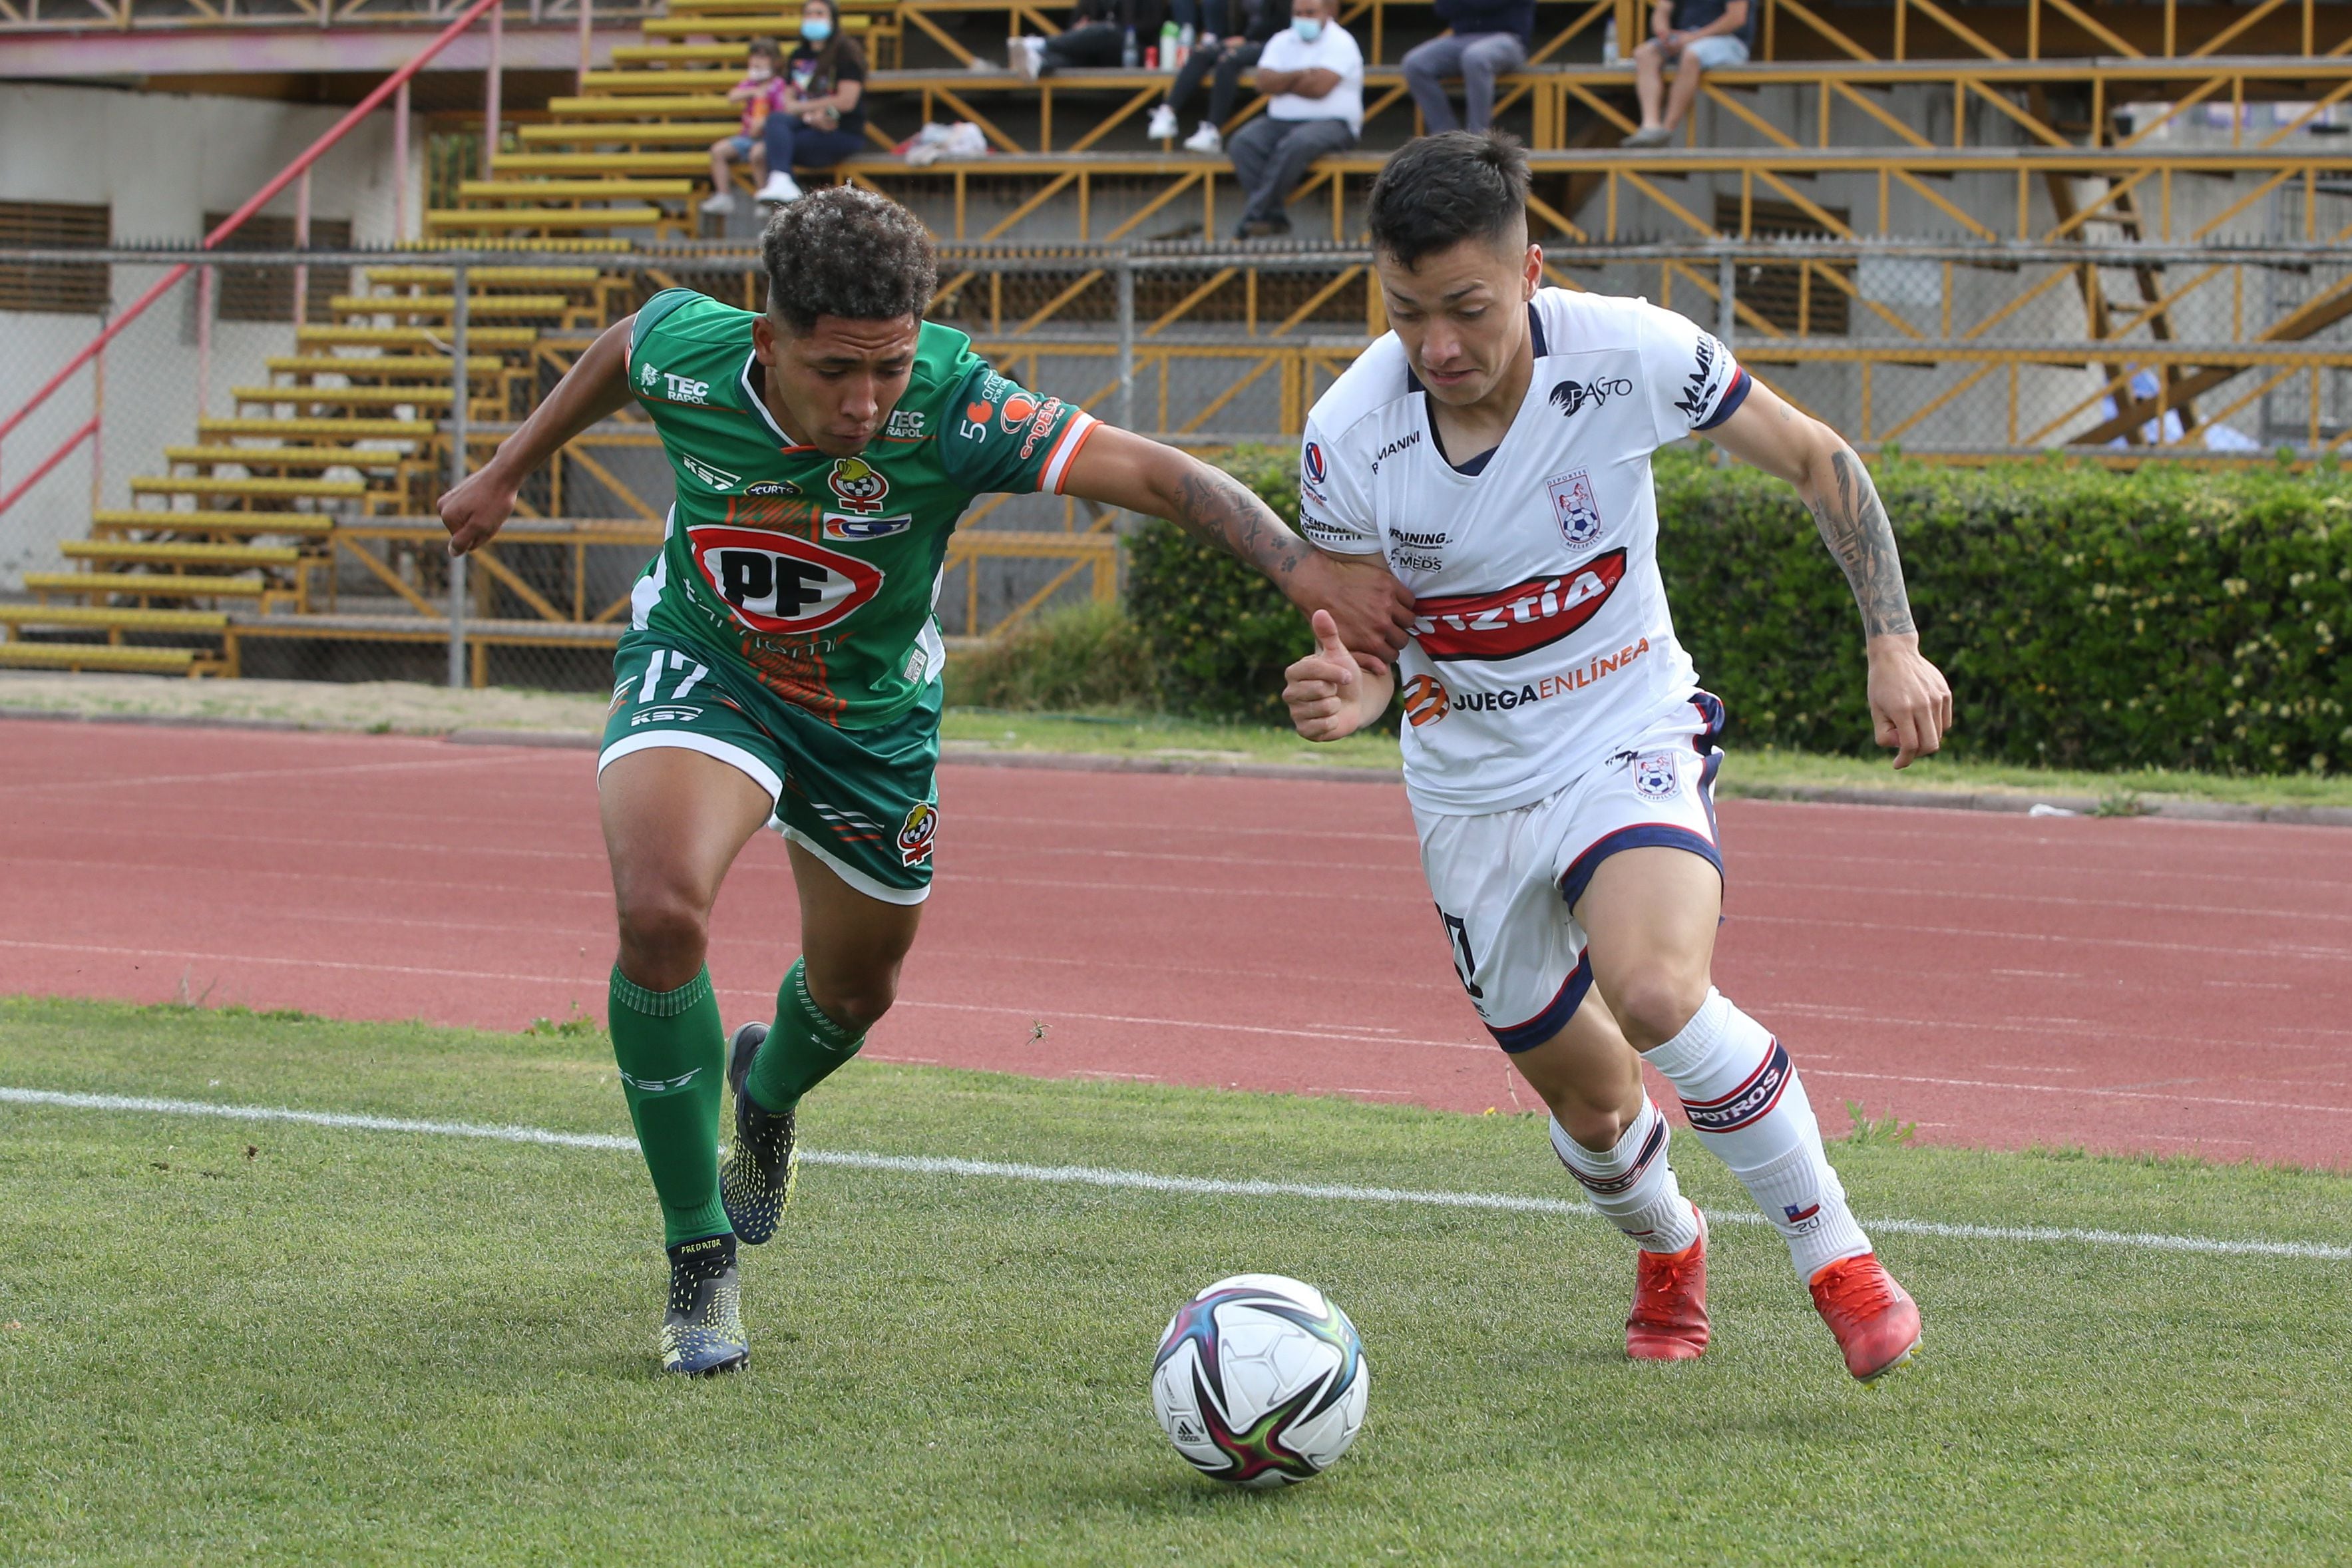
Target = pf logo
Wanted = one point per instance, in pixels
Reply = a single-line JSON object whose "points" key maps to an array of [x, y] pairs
{"points": [[1425, 701], [860, 488], [779, 584]]}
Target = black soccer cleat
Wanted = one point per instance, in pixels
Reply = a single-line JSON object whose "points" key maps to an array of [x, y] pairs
{"points": [[756, 1182], [702, 1333]]}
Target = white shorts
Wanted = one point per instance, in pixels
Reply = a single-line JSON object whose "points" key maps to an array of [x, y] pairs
{"points": [[1505, 881]]}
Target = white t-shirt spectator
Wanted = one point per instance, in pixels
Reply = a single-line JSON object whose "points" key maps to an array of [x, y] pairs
{"points": [[1334, 51]]}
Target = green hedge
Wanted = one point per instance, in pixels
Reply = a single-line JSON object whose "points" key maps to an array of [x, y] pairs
{"points": [[2163, 616]]}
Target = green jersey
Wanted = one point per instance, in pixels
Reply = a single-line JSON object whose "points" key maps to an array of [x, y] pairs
{"points": [[817, 575]]}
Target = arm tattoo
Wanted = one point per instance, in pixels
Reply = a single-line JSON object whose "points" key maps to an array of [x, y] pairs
{"points": [[1853, 525], [1215, 507]]}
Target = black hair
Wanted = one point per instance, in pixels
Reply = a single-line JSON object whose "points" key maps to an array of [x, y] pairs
{"points": [[837, 47], [770, 48], [843, 251], [1438, 191]]}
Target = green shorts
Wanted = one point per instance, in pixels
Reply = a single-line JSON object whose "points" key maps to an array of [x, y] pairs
{"points": [[864, 802]]}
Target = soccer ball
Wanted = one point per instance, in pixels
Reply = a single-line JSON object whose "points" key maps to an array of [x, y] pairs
{"points": [[1260, 1381]]}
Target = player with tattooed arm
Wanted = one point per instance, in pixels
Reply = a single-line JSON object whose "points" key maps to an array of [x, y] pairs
{"points": [[1559, 755], [782, 670]]}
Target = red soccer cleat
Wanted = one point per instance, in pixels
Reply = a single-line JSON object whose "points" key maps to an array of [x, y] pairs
{"points": [[1669, 1317], [1874, 1319]]}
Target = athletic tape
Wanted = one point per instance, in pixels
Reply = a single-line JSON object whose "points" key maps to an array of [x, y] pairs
{"points": [[1144, 1181]]}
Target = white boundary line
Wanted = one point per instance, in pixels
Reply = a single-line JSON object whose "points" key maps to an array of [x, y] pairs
{"points": [[1143, 1181]]}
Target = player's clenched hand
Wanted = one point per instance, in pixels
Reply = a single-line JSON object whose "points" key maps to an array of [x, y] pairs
{"points": [[1910, 705], [475, 508], [1371, 611], [1325, 690]]}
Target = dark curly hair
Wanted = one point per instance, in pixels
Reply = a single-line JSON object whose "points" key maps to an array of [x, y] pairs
{"points": [[843, 251], [1441, 190]]}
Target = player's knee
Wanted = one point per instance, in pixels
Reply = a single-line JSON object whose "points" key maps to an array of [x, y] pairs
{"points": [[855, 1001], [1654, 1003], [1593, 1126], [665, 936]]}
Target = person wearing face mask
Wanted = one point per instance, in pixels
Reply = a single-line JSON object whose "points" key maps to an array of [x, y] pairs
{"points": [[762, 93], [1483, 39], [1220, 62], [1312, 74], [822, 122]]}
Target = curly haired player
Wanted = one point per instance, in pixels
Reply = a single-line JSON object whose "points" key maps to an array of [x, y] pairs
{"points": [[1558, 753], [781, 668]]}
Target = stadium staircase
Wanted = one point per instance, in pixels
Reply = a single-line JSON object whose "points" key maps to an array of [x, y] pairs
{"points": [[336, 461]]}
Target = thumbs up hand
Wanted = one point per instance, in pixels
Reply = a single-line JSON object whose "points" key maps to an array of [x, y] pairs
{"points": [[1329, 694]]}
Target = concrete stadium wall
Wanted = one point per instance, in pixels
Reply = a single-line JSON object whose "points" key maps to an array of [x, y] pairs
{"points": [[161, 162]]}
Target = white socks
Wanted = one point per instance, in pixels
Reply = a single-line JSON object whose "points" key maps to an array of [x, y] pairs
{"points": [[1633, 1183], [1743, 1099]]}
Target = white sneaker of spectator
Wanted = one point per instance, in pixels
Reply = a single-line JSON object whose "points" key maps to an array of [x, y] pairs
{"points": [[720, 204], [781, 188], [1204, 140], [1163, 124]]}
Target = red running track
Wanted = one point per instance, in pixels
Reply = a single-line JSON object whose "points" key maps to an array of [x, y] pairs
{"points": [[2130, 985]]}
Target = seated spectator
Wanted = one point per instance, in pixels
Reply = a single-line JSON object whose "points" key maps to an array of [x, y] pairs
{"points": [[1221, 62], [1483, 39], [761, 93], [1096, 37], [1312, 74], [819, 122], [1697, 37]]}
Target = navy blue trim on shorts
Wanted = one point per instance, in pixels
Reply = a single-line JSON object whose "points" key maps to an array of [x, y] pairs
{"points": [[1526, 1036], [1641, 836]]}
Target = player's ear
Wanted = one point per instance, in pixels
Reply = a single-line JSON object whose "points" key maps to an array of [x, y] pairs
{"points": [[763, 338], [1531, 272]]}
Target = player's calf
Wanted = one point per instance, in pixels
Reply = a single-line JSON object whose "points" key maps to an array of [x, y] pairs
{"points": [[1633, 1185]]}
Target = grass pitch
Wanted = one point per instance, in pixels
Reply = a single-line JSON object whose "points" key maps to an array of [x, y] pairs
{"points": [[258, 1342]]}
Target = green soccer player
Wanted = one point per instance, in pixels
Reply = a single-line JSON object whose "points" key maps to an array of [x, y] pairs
{"points": [[781, 667]]}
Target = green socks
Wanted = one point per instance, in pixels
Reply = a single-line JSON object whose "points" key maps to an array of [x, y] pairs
{"points": [[802, 1047], [672, 1051]]}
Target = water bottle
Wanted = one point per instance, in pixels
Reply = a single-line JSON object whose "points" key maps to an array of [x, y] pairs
{"points": [[1130, 55], [1186, 37], [1609, 44], [1168, 46]]}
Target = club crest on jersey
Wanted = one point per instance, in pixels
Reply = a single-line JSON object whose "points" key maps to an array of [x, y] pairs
{"points": [[858, 484], [859, 528], [779, 585], [1578, 514], [915, 834], [1655, 777], [1425, 701], [1520, 618], [1568, 396], [719, 480]]}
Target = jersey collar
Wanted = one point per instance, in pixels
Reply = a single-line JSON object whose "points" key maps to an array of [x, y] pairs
{"points": [[758, 404]]}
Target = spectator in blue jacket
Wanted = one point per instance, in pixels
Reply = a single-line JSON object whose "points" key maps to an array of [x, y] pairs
{"points": [[1695, 36], [1483, 39]]}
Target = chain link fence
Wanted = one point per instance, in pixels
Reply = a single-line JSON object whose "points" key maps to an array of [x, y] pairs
{"points": [[264, 450]]}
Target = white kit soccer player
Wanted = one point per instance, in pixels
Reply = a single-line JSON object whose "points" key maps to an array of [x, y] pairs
{"points": [[1559, 755]]}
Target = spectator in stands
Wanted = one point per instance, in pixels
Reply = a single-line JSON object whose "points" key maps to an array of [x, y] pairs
{"points": [[820, 122], [1312, 74], [1097, 37], [1222, 61], [1483, 39], [762, 93], [1698, 36]]}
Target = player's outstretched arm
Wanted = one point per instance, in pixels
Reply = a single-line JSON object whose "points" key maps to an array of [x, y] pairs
{"points": [[1329, 696], [1910, 705], [1370, 609], [596, 386]]}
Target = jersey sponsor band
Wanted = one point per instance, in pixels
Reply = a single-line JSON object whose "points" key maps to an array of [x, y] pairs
{"points": [[1520, 618], [779, 585], [1427, 699]]}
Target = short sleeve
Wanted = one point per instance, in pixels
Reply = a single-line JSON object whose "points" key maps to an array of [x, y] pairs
{"points": [[1692, 383], [1334, 512], [996, 436]]}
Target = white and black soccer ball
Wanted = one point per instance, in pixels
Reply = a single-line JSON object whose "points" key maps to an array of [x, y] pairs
{"points": [[1260, 1381]]}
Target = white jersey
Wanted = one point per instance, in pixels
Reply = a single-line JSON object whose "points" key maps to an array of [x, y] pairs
{"points": [[1543, 645]]}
